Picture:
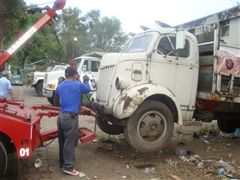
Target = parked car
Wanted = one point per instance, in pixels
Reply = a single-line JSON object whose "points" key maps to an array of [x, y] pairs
{"points": [[16, 80]]}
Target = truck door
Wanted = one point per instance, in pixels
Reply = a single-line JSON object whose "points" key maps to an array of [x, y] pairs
{"points": [[176, 69]]}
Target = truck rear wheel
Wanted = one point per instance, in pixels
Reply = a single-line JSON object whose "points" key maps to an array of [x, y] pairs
{"points": [[3, 160], [227, 125], [150, 127], [39, 89], [108, 127]]}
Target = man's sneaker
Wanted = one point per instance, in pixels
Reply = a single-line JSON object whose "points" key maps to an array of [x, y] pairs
{"points": [[72, 172]]}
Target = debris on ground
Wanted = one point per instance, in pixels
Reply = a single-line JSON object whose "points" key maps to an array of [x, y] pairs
{"points": [[200, 165], [38, 163], [147, 168], [175, 177], [226, 135], [237, 132], [225, 165], [81, 174], [170, 162], [205, 141]]}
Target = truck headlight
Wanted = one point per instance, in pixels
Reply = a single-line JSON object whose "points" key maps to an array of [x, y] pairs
{"points": [[52, 86], [121, 84]]}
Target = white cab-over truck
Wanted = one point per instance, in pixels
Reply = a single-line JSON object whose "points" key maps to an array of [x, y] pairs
{"points": [[38, 77], [168, 76], [86, 65]]}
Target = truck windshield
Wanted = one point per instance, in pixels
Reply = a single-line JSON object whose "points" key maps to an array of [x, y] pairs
{"points": [[138, 44]]}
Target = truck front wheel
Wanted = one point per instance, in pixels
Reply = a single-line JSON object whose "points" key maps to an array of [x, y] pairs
{"points": [[150, 127], [108, 127], [39, 89], [3, 160]]}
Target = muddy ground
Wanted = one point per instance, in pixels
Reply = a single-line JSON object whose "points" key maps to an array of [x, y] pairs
{"points": [[195, 152]]}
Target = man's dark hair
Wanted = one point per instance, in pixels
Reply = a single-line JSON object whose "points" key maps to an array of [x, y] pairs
{"points": [[69, 71]]}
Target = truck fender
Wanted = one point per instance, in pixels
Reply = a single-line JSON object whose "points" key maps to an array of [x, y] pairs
{"points": [[16, 137], [130, 99]]}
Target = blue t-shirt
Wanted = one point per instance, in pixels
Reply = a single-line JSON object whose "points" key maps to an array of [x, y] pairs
{"points": [[5, 86], [69, 93]]}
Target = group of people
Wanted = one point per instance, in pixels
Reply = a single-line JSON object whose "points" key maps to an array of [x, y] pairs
{"points": [[68, 95]]}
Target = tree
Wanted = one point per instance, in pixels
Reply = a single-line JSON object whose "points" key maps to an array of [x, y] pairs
{"points": [[73, 33], [104, 33], [77, 33], [9, 9], [85, 33], [43, 46]]}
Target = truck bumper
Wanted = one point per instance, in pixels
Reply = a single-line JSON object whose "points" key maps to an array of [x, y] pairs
{"points": [[47, 93]]}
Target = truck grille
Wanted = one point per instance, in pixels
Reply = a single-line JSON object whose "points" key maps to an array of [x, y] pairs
{"points": [[104, 83]]}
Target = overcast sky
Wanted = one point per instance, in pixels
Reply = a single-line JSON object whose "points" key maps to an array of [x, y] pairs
{"points": [[134, 13]]}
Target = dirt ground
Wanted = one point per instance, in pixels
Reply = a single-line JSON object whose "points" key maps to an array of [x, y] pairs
{"points": [[189, 155]]}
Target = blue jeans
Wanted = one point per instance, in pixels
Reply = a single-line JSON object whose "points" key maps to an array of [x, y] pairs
{"points": [[68, 136]]}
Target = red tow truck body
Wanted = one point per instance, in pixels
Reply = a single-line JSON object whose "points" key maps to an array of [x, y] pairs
{"points": [[20, 125]]}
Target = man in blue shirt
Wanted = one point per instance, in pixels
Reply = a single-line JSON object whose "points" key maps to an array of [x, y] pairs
{"points": [[5, 86], [69, 95]]}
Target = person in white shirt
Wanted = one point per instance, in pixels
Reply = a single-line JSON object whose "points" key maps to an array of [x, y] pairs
{"points": [[5, 86]]}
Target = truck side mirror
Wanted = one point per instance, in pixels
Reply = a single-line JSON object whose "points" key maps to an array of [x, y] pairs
{"points": [[180, 39]]}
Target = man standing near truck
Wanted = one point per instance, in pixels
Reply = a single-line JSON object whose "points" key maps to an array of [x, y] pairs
{"points": [[5, 86], [69, 94]]}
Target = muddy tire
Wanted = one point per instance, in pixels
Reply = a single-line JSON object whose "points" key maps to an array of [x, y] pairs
{"points": [[3, 160], [108, 127], [227, 125], [39, 89], [150, 127]]}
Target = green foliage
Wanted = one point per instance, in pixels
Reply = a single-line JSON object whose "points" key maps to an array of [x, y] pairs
{"points": [[9, 10], [42, 46], [85, 33], [208, 129], [72, 32], [77, 34], [105, 33]]}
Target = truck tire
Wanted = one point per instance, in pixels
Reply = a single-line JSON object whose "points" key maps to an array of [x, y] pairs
{"points": [[51, 100], [108, 127], [227, 125], [150, 127], [3, 160], [39, 89]]}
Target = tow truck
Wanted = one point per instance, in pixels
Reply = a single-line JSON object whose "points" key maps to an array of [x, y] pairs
{"points": [[20, 125]]}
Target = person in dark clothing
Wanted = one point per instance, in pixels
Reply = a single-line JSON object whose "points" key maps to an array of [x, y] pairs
{"points": [[69, 94]]}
